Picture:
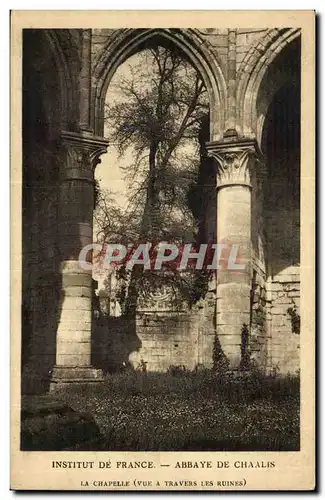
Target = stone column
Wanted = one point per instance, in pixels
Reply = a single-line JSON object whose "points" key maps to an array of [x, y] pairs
{"points": [[235, 168], [73, 343]]}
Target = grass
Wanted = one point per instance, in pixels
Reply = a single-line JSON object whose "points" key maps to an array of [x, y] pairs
{"points": [[184, 410]]}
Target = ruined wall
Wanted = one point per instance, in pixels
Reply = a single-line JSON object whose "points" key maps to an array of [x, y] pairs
{"points": [[157, 338], [279, 102], [284, 289], [258, 331], [284, 321], [274, 220], [185, 338], [189, 339], [169, 340]]}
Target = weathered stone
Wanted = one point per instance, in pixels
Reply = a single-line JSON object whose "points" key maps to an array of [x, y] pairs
{"points": [[50, 425], [239, 67]]}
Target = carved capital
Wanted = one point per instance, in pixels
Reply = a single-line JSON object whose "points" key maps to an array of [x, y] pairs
{"points": [[82, 154], [235, 161]]}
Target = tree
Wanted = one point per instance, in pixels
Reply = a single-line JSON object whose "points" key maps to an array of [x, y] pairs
{"points": [[156, 119]]}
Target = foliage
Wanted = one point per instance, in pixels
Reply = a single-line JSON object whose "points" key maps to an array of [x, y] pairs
{"points": [[245, 354], [198, 410], [155, 121], [295, 319]]}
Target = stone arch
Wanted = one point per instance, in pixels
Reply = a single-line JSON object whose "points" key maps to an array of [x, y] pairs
{"points": [[250, 76], [280, 144], [65, 80], [127, 42]]}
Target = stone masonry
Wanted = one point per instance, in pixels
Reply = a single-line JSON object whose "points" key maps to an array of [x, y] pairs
{"points": [[253, 82]]}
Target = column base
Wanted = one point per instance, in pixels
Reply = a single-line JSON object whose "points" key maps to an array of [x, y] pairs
{"points": [[64, 375]]}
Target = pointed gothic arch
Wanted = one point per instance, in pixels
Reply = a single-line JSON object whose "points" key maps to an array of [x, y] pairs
{"points": [[251, 73], [64, 76], [127, 42]]}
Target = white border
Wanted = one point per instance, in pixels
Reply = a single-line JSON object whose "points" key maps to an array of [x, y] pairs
{"points": [[4, 197]]}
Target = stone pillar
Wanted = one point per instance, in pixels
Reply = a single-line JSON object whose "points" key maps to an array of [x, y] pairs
{"points": [[73, 343], [235, 168]]}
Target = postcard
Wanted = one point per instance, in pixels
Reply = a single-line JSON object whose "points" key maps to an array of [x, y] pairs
{"points": [[162, 250]]}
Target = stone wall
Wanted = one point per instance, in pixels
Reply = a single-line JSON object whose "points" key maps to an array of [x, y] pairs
{"points": [[157, 339], [258, 333], [173, 340], [284, 321], [160, 338], [246, 38], [216, 39]]}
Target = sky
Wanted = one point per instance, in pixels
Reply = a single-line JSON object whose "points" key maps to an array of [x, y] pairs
{"points": [[108, 172]]}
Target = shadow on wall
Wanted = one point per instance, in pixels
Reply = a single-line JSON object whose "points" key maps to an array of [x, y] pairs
{"points": [[41, 280], [42, 295], [202, 197], [281, 145], [113, 340]]}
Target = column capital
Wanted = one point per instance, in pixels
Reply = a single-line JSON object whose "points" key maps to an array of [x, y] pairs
{"points": [[235, 161], [83, 151]]}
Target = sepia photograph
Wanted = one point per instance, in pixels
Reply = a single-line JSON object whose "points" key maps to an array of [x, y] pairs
{"points": [[161, 243]]}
